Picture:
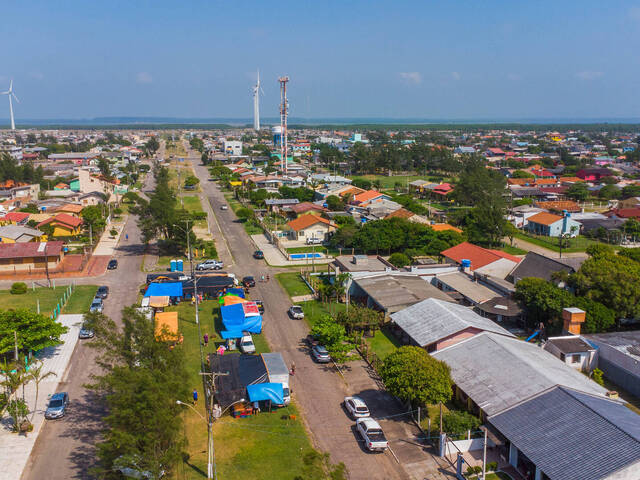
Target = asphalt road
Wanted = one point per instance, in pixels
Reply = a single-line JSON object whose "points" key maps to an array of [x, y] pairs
{"points": [[65, 447]]}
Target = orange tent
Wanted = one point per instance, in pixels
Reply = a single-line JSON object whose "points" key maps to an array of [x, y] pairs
{"points": [[168, 320], [232, 300]]}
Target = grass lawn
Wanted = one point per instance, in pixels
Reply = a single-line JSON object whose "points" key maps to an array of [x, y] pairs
{"points": [[293, 284], [79, 301], [495, 476], [265, 446], [192, 203], [389, 182], [578, 244], [513, 250], [383, 343], [314, 310]]}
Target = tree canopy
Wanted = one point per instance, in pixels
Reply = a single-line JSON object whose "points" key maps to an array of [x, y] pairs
{"points": [[34, 331]]}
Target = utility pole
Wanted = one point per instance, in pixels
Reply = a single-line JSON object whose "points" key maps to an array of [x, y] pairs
{"points": [[212, 470], [484, 455], [15, 341]]}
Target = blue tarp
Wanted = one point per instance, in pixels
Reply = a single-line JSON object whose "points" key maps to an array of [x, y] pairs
{"points": [[234, 320], [239, 292], [225, 334], [172, 289], [266, 391]]}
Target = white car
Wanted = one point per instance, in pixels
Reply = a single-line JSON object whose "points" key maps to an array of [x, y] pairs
{"points": [[356, 407], [246, 344], [296, 312], [314, 241], [372, 434], [210, 265], [224, 207]]}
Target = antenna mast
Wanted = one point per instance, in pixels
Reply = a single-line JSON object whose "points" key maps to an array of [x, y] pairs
{"points": [[284, 113], [256, 104]]}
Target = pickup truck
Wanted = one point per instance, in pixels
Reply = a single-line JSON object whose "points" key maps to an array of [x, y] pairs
{"points": [[372, 435], [210, 265]]}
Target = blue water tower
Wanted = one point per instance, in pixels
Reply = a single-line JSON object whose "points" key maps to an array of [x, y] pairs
{"points": [[180, 266], [173, 265]]}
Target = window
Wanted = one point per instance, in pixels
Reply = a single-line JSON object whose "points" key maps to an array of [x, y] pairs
{"points": [[575, 358]]}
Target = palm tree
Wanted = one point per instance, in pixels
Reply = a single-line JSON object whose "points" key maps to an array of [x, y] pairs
{"points": [[35, 374]]}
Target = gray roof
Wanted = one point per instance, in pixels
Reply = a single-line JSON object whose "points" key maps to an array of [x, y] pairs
{"points": [[539, 266], [395, 292], [281, 201], [498, 372], [431, 320], [16, 231], [572, 344], [625, 342], [463, 284], [571, 435]]}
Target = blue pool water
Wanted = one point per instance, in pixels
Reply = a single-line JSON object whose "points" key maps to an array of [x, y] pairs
{"points": [[299, 256]]}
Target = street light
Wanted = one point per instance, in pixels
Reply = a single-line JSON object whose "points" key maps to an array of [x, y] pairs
{"points": [[212, 471]]}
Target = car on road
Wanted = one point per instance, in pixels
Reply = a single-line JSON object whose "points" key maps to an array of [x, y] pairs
{"points": [[314, 241], [249, 282], [295, 311], [96, 305], [246, 344], [103, 292], [85, 332], [372, 435], [113, 264], [224, 207], [127, 466], [320, 354], [210, 265], [57, 407], [260, 306], [258, 254], [356, 407]]}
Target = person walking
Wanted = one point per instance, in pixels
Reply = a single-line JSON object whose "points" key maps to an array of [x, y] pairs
{"points": [[126, 236], [206, 339], [195, 396]]}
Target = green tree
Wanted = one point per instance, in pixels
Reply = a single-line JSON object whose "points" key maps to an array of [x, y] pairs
{"points": [[34, 331], [578, 192], [334, 203], [413, 375], [477, 184], [631, 191], [609, 192], [333, 336], [399, 260], [36, 375], [522, 174], [152, 145], [191, 181], [105, 167], [456, 423]]}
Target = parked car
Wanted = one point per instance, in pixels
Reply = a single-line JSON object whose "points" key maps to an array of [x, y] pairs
{"points": [[224, 207], [85, 332], [320, 354], [249, 282], [260, 306], [314, 241], [96, 305], [246, 344], [127, 466], [258, 254], [57, 405], [103, 292], [356, 407], [372, 434], [295, 311], [113, 264], [210, 265]]}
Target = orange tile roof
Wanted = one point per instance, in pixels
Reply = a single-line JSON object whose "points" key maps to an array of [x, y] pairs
{"points": [[570, 179], [401, 213], [546, 181], [544, 218], [366, 196], [71, 207], [305, 221], [478, 256], [63, 219], [520, 181], [568, 205], [441, 227]]}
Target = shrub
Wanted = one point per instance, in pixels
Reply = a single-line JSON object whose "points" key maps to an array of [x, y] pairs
{"points": [[598, 376], [399, 260], [113, 232], [492, 466], [18, 288], [458, 422]]}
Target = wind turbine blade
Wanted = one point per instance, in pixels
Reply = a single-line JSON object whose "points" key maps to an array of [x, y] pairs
{"points": [[11, 85], [14, 96]]}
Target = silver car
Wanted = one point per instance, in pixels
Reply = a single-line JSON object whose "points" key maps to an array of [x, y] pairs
{"points": [[57, 405], [96, 305], [320, 354]]}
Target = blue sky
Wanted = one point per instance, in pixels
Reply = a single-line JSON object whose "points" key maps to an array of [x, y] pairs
{"points": [[402, 59]]}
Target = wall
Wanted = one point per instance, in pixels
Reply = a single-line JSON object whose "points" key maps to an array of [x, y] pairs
{"points": [[469, 445], [457, 337], [621, 369], [583, 364]]}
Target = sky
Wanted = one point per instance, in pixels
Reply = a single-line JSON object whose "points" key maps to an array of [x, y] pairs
{"points": [[423, 59]]}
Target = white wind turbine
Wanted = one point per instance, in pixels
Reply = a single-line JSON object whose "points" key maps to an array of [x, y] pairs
{"points": [[257, 89], [10, 94]]}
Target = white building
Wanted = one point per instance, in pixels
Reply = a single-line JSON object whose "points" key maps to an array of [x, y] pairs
{"points": [[233, 147]]}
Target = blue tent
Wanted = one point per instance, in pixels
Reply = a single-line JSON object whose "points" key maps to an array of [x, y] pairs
{"points": [[236, 291], [266, 391], [172, 289], [226, 334], [234, 320]]}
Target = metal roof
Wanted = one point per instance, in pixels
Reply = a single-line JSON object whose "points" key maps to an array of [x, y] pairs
{"points": [[432, 320], [498, 372], [464, 285], [539, 266], [571, 435]]}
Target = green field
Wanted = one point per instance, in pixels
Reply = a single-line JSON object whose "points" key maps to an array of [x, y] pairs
{"points": [[314, 310], [293, 284], [383, 343], [259, 447], [79, 301], [513, 250], [389, 182], [578, 244], [192, 203]]}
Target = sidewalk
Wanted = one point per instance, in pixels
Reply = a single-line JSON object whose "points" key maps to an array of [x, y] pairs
{"points": [[106, 245], [15, 448]]}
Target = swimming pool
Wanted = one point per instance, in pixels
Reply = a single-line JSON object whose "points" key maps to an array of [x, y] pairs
{"points": [[300, 256]]}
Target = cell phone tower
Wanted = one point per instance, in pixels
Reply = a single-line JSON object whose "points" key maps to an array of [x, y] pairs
{"points": [[284, 113]]}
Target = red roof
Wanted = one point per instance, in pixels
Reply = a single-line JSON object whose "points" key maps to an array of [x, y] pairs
{"points": [[478, 256], [627, 213], [16, 216], [305, 221], [366, 196], [496, 151], [443, 188], [30, 249], [306, 206], [64, 219]]}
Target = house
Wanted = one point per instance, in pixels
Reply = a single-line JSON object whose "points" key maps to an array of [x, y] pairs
{"points": [[443, 189], [503, 310], [572, 350], [593, 174], [618, 356], [15, 218], [471, 291], [30, 256], [625, 213], [540, 266], [632, 202], [435, 324], [390, 292], [493, 373], [64, 225], [19, 234], [276, 204], [568, 206], [368, 196], [311, 226], [72, 209], [361, 263], [307, 207], [462, 150], [552, 225], [484, 260], [494, 152], [91, 198], [563, 433]]}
